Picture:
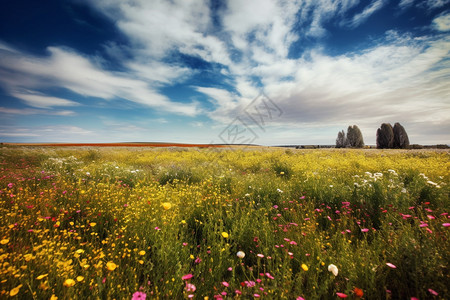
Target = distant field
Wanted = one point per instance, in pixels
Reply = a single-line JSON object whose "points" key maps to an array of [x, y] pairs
{"points": [[169, 222]]}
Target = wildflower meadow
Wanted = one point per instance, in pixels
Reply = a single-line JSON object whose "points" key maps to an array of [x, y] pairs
{"points": [[218, 223]]}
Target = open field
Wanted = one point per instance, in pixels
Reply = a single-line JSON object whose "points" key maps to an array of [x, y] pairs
{"points": [[175, 223]]}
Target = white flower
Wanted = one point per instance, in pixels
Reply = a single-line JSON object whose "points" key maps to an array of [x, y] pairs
{"points": [[403, 190], [333, 269], [240, 254], [279, 191]]}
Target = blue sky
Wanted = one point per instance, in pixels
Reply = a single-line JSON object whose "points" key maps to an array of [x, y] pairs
{"points": [[188, 71]]}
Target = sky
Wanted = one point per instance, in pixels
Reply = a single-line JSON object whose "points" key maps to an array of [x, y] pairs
{"points": [[195, 71]]}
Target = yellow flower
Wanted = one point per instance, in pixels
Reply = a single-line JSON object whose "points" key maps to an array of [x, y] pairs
{"points": [[166, 205], [41, 276], [183, 221], [92, 224], [15, 290], [69, 282], [304, 267], [44, 286], [111, 266], [225, 235], [142, 252], [80, 278], [53, 297], [141, 262], [4, 241], [79, 251]]}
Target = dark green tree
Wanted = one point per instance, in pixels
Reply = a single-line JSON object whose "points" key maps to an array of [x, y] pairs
{"points": [[401, 140], [341, 139], [354, 137], [385, 136]]}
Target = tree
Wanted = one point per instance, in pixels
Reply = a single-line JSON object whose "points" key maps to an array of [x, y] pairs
{"points": [[385, 136], [341, 139], [354, 137], [401, 139]]}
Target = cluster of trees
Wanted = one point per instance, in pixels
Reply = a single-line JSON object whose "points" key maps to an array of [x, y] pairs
{"points": [[353, 139], [389, 137]]}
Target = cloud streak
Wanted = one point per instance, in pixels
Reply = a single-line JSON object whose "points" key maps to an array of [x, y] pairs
{"points": [[67, 69]]}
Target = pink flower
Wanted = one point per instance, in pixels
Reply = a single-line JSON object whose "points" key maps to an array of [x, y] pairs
{"points": [[269, 276], [446, 224], [250, 283], [431, 217], [364, 230], [225, 283], [414, 298], [433, 292], [190, 287], [423, 225], [187, 276], [300, 298], [341, 295], [138, 296], [256, 295], [238, 292], [10, 185], [260, 255], [391, 265]]}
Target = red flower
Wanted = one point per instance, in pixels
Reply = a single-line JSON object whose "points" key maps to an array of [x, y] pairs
{"points": [[358, 292]]}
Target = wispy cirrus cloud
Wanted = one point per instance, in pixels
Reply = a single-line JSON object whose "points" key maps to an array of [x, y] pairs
{"points": [[31, 111], [80, 74], [43, 101], [366, 13]]}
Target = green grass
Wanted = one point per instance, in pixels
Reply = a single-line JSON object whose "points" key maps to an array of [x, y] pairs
{"points": [[118, 221]]}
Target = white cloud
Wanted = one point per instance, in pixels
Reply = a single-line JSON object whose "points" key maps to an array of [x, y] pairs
{"points": [[427, 4], [442, 23], [68, 69], [437, 3], [405, 3], [55, 133], [402, 81], [31, 111], [42, 101], [158, 27], [366, 13]]}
